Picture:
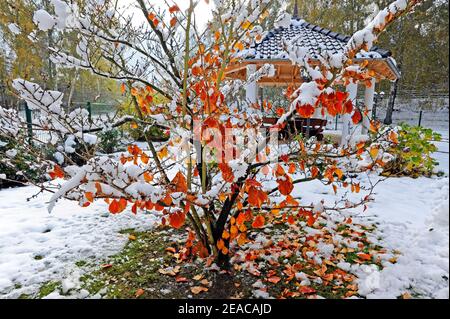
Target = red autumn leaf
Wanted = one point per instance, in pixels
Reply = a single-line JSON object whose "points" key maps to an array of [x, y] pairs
{"points": [[227, 173], [274, 279], [176, 220], [174, 9], [356, 117], [291, 219], [285, 186], [311, 220], [122, 204], [258, 222], [181, 279], [57, 172], [256, 197], [306, 110], [114, 207], [280, 111], [348, 106], [307, 290]]}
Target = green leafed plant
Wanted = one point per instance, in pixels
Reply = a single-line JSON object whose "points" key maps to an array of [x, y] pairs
{"points": [[413, 152]]}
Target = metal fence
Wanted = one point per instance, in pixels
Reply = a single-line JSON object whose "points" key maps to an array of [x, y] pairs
{"points": [[94, 109]]}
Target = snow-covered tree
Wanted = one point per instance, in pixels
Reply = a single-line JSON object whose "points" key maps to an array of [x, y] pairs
{"points": [[218, 173]]}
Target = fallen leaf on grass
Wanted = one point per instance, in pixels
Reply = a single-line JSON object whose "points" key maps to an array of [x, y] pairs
{"points": [[104, 266], [274, 279], [171, 250], [131, 237], [204, 282], [181, 279], [197, 277], [198, 289], [139, 292], [171, 271], [307, 290]]}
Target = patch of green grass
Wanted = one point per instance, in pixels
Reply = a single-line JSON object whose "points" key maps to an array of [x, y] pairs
{"points": [[81, 263], [47, 288], [135, 267]]}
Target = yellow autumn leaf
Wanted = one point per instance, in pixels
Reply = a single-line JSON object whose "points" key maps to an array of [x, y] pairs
{"points": [[163, 153]]}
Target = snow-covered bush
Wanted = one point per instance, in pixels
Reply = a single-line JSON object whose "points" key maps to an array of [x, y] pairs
{"points": [[218, 173]]}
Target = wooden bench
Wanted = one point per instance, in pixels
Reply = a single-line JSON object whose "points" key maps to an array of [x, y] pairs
{"points": [[306, 126]]}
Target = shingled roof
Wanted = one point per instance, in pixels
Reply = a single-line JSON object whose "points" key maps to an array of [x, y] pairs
{"points": [[309, 35]]}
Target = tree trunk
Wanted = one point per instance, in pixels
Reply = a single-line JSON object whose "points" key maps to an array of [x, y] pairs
{"points": [[390, 107]]}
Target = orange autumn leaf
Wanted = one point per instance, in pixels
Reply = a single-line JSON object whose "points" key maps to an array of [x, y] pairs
{"points": [[122, 88], [285, 186], [242, 239], [89, 196], [180, 183], [148, 177], [114, 207], [364, 256], [163, 153], [174, 9], [176, 220], [291, 168], [393, 137], [239, 46], [225, 234], [256, 197], [258, 222], [139, 292], [220, 244], [144, 158], [173, 22], [314, 172]]}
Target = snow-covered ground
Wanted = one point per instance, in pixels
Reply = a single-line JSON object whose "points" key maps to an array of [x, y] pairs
{"points": [[413, 217], [36, 246]]}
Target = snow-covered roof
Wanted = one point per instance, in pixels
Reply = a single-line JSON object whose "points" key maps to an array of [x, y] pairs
{"points": [[309, 35]]}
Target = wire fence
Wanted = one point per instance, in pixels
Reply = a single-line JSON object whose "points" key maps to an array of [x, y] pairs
{"points": [[95, 110]]}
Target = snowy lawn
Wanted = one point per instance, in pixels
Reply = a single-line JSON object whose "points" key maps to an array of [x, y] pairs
{"points": [[412, 216]]}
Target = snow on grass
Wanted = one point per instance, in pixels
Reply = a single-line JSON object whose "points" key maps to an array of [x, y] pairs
{"points": [[36, 247], [413, 216]]}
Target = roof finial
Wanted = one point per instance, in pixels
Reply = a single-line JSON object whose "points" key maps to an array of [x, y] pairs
{"points": [[295, 15]]}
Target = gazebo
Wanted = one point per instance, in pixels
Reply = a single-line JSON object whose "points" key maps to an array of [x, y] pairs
{"points": [[315, 38]]}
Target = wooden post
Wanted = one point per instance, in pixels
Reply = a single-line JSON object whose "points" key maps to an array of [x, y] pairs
{"points": [[352, 89], [369, 95]]}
